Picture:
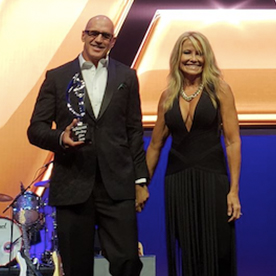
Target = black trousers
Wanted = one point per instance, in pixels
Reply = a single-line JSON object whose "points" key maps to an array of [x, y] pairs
{"points": [[117, 229]]}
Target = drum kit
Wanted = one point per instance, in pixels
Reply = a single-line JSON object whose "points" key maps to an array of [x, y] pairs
{"points": [[20, 232]]}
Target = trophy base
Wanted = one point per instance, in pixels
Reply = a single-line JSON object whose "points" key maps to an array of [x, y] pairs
{"points": [[79, 132]]}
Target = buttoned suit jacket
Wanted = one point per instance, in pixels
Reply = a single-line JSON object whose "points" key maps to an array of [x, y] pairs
{"points": [[116, 144]]}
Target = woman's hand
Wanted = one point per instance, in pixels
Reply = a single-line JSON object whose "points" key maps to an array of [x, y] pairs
{"points": [[142, 195], [234, 206]]}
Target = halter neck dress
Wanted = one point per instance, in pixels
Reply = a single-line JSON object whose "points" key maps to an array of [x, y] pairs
{"points": [[200, 241]]}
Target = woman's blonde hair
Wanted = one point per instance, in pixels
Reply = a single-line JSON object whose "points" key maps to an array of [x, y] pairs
{"points": [[211, 73]]}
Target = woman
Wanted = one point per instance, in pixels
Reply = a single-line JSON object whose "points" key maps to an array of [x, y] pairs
{"points": [[201, 199]]}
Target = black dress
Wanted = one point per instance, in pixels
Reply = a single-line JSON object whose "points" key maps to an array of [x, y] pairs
{"points": [[200, 241]]}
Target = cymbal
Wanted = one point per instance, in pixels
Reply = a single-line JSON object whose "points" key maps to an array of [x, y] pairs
{"points": [[44, 183], [4, 198]]}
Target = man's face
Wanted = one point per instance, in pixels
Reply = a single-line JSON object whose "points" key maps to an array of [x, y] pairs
{"points": [[98, 39]]}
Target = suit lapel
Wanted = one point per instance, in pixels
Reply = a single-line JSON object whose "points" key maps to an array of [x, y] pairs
{"points": [[88, 106], [111, 83], [76, 66]]}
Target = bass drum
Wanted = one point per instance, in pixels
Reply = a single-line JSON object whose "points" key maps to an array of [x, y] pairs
{"points": [[8, 249]]}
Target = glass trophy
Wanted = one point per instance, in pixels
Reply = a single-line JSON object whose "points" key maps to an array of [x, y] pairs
{"points": [[77, 89]]}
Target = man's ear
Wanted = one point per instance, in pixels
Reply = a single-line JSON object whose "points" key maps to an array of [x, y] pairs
{"points": [[113, 42], [82, 36]]}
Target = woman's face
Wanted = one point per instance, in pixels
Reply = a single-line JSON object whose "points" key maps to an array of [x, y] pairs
{"points": [[191, 61]]}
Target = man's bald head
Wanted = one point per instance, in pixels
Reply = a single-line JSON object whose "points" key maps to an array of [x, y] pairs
{"points": [[98, 38], [101, 19]]}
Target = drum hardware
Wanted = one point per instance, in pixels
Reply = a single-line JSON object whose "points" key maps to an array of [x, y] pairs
{"points": [[25, 251], [46, 258], [8, 246], [23, 190], [29, 204]]}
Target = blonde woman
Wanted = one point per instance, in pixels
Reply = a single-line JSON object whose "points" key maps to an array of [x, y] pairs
{"points": [[201, 193]]}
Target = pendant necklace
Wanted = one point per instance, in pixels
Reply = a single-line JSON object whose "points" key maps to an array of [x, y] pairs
{"points": [[191, 97]]}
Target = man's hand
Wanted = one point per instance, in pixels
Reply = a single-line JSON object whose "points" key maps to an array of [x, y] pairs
{"points": [[142, 195], [67, 140]]}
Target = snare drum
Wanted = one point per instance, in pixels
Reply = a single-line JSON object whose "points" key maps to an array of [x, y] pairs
{"points": [[8, 249], [28, 204]]}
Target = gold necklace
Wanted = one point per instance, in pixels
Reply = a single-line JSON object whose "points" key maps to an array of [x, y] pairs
{"points": [[191, 97]]}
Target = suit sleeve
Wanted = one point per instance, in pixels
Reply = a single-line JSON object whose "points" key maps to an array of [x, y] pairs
{"points": [[135, 129], [40, 132]]}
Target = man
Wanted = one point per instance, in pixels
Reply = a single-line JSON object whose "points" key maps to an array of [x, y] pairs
{"points": [[94, 180]]}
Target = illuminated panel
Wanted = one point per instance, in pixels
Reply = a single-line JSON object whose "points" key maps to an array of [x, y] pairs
{"points": [[244, 46]]}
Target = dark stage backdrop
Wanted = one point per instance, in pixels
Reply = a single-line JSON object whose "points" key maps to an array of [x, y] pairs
{"points": [[256, 238]]}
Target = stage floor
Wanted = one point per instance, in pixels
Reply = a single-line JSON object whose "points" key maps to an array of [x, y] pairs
{"points": [[101, 268]]}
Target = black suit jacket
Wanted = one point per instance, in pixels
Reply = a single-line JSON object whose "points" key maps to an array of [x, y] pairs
{"points": [[116, 136]]}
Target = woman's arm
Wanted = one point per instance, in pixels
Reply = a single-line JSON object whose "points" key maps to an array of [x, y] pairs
{"points": [[233, 148], [160, 134]]}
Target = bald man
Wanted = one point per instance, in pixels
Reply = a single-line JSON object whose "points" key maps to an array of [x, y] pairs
{"points": [[99, 164]]}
